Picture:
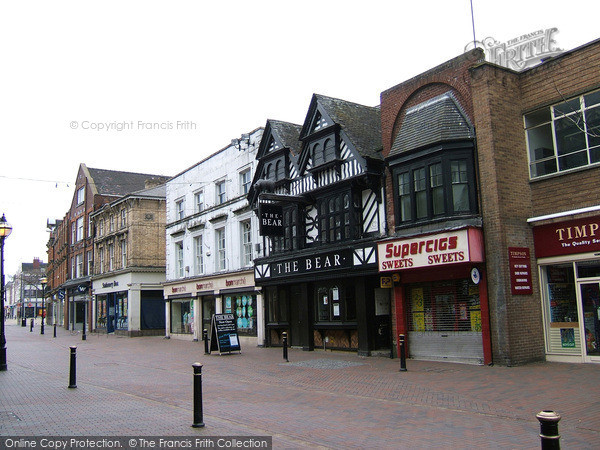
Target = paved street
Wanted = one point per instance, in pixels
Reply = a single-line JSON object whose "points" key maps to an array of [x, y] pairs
{"points": [[144, 387]]}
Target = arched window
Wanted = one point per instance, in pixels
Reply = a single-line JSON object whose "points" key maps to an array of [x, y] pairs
{"points": [[317, 155], [279, 170], [267, 172]]}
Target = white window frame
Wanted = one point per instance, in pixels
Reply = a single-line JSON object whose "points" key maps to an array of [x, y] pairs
{"points": [[179, 259], [80, 195], [180, 209], [221, 248], [101, 262], [123, 218], [79, 234], [79, 265], [246, 243], [198, 255], [90, 262], [199, 201], [111, 257], [245, 180], [220, 192], [123, 253]]}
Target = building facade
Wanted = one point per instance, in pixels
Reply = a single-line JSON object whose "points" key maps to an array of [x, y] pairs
{"points": [[27, 300], [492, 200], [211, 237], [129, 264], [71, 243], [318, 194]]}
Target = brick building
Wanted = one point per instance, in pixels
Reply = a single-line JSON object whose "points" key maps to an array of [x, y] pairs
{"points": [[71, 245], [129, 263], [481, 157]]}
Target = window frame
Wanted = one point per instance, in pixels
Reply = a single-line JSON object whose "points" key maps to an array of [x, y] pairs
{"points": [[180, 209], [199, 205], [220, 192], [549, 119], [221, 248], [246, 243], [405, 171], [198, 256], [245, 177]]}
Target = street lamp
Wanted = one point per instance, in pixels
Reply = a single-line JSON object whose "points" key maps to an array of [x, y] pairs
{"points": [[5, 230], [44, 282]]}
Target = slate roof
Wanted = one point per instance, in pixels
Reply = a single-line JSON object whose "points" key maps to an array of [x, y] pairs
{"points": [[112, 182], [361, 123], [288, 133], [440, 119]]}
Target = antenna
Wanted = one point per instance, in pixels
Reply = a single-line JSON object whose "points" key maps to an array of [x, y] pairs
{"points": [[473, 23]]}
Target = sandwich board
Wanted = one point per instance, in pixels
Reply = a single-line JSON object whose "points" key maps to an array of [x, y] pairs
{"points": [[223, 334]]}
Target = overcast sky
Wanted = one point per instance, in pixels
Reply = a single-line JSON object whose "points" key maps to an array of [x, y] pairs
{"points": [[219, 69]]}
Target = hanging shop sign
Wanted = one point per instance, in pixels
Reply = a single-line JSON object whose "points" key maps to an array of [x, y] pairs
{"points": [[270, 216], [223, 334], [566, 238], [520, 271], [431, 250]]}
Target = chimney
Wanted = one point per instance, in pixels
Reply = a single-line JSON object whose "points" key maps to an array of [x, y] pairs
{"points": [[36, 263]]}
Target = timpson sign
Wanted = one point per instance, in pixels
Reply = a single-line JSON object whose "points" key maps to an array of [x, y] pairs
{"points": [[565, 238], [431, 250]]}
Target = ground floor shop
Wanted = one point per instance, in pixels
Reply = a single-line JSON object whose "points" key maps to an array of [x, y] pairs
{"points": [[190, 305], [440, 302], [131, 304], [568, 258], [329, 300]]}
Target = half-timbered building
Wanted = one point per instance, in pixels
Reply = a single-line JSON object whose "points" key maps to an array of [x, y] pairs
{"points": [[318, 192]]}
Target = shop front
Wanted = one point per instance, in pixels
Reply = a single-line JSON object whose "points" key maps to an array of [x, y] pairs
{"points": [[440, 295], [568, 258], [190, 306], [128, 304], [326, 300], [78, 300]]}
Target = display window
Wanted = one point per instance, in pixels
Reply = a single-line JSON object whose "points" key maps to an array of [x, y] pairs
{"points": [[335, 303], [243, 306], [277, 305], [101, 312], [182, 316]]}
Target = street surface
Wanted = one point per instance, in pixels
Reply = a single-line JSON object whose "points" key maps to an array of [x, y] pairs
{"points": [[321, 399]]}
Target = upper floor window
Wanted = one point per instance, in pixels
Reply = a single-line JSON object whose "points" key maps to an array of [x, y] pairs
{"points": [[123, 253], [434, 188], [246, 240], [198, 259], [564, 136], [111, 257], [101, 262], [101, 227], [111, 221], [179, 209], [90, 261], [199, 201], [80, 195], [245, 181], [220, 244], [279, 170], [337, 218], [179, 259], [329, 150], [123, 218], [220, 192], [79, 229]]}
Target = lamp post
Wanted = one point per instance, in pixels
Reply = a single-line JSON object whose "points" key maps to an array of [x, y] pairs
{"points": [[44, 282], [5, 230]]}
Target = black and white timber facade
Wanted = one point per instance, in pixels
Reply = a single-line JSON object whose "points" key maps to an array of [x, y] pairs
{"points": [[318, 266]]}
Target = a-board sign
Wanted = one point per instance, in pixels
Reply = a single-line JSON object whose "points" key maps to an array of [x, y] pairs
{"points": [[223, 334]]}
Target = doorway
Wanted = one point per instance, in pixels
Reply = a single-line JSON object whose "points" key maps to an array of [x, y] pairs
{"points": [[590, 308]]}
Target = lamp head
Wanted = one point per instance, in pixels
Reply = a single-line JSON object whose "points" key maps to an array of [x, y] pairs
{"points": [[5, 228]]}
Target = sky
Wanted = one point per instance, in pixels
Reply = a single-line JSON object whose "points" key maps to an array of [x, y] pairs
{"points": [[156, 86]]}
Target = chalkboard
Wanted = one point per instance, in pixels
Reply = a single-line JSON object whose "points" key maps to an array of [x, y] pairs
{"points": [[223, 333]]}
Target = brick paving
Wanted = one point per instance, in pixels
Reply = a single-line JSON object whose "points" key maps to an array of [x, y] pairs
{"points": [[143, 387]]}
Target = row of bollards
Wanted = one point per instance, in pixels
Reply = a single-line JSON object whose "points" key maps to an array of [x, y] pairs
{"points": [[550, 439]]}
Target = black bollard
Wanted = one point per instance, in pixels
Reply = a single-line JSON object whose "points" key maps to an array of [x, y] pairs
{"points": [[205, 338], [42, 326], [31, 326], [198, 414], [550, 439], [73, 368], [23, 322], [402, 353], [55, 330], [285, 351]]}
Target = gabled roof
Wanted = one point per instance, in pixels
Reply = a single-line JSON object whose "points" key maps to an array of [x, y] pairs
{"points": [[440, 119], [288, 134], [117, 183], [362, 124]]}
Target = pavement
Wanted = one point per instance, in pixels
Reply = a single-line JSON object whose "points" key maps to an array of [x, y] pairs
{"points": [[143, 387]]}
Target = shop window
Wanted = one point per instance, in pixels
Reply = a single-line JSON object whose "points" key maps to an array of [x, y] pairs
{"points": [[182, 316], [101, 312], [121, 311], [243, 306], [444, 306], [561, 293], [564, 136], [588, 269]]}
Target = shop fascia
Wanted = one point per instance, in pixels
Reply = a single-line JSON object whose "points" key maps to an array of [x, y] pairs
{"points": [[111, 284], [453, 247], [568, 237], [214, 285]]}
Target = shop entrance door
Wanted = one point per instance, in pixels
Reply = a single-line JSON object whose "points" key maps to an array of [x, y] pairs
{"points": [[111, 314], [590, 307], [208, 309]]}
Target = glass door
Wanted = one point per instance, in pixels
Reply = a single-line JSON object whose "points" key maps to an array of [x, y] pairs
{"points": [[590, 307]]}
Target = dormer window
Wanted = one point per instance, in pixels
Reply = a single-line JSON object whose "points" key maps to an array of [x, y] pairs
{"points": [[319, 123], [329, 150], [279, 170]]}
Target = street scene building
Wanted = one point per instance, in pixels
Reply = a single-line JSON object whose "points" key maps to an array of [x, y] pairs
{"points": [[71, 243], [482, 160], [129, 263], [318, 193], [25, 300], [211, 237]]}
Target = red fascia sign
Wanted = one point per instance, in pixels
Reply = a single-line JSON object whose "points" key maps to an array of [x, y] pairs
{"points": [[520, 271], [566, 238], [431, 250]]}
